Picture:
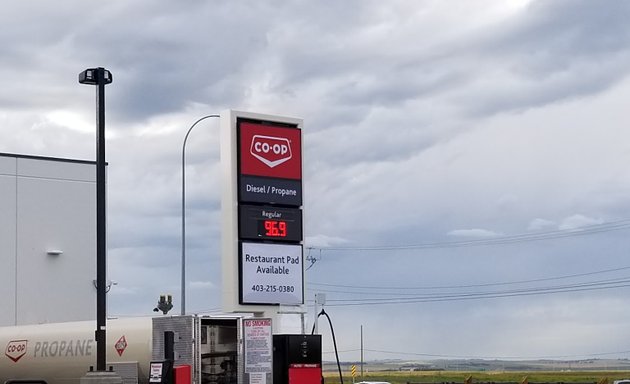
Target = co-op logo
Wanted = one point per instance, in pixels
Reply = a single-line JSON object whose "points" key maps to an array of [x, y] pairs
{"points": [[272, 151], [16, 349]]}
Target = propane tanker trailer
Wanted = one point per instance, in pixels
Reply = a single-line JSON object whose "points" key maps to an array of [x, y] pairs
{"points": [[62, 353]]}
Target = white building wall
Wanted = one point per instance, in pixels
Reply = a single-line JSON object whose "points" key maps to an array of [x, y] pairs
{"points": [[53, 209], [8, 182]]}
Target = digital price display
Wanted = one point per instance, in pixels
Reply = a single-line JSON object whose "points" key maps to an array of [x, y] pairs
{"points": [[273, 228], [270, 223]]}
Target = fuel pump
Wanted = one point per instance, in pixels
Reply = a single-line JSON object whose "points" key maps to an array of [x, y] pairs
{"points": [[297, 359]]}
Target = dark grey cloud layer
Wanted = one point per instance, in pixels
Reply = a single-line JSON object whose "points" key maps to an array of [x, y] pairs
{"points": [[425, 122]]}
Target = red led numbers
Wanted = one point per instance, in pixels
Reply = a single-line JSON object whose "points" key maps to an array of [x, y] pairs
{"points": [[275, 228]]}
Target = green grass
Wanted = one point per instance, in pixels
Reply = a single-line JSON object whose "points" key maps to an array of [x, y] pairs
{"points": [[481, 377]]}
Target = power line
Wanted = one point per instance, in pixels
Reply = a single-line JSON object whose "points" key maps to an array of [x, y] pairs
{"points": [[532, 289], [511, 239], [481, 295], [476, 285], [394, 296]]}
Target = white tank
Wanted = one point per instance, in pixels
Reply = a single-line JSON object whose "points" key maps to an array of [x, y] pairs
{"points": [[62, 353]]}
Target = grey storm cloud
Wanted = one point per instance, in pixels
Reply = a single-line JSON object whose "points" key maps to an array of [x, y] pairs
{"points": [[554, 51], [425, 123]]}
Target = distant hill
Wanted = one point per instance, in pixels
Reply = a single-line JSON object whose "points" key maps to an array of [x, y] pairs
{"points": [[483, 365]]}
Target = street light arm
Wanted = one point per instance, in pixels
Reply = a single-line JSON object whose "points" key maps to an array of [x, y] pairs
{"points": [[183, 282], [190, 129]]}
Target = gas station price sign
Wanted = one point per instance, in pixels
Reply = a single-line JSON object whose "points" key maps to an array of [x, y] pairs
{"points": [[262, 207], [270, 223]]}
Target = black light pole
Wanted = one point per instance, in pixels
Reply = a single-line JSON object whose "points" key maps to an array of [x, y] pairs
{"points": [[100, 77]]}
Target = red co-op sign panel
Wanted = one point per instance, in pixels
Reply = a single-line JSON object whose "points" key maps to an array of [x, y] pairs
{"points": [[270, 151]]}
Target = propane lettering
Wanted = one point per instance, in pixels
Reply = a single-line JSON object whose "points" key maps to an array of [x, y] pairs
{"points": [[85, 348], [54, 347], [283, 191], [43, 345], [70, 351], [63, 348]]}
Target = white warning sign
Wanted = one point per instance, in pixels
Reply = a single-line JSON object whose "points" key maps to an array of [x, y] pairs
{"points": [[258, 345]]}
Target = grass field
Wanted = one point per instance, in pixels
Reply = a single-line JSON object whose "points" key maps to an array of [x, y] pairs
{"points": [[480, 377]]}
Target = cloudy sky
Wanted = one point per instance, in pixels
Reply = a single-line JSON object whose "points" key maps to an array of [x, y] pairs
{"points": [[466, 181]]}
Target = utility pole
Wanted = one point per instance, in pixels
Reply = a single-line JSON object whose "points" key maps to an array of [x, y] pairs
{"points": [[361, 351]]}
